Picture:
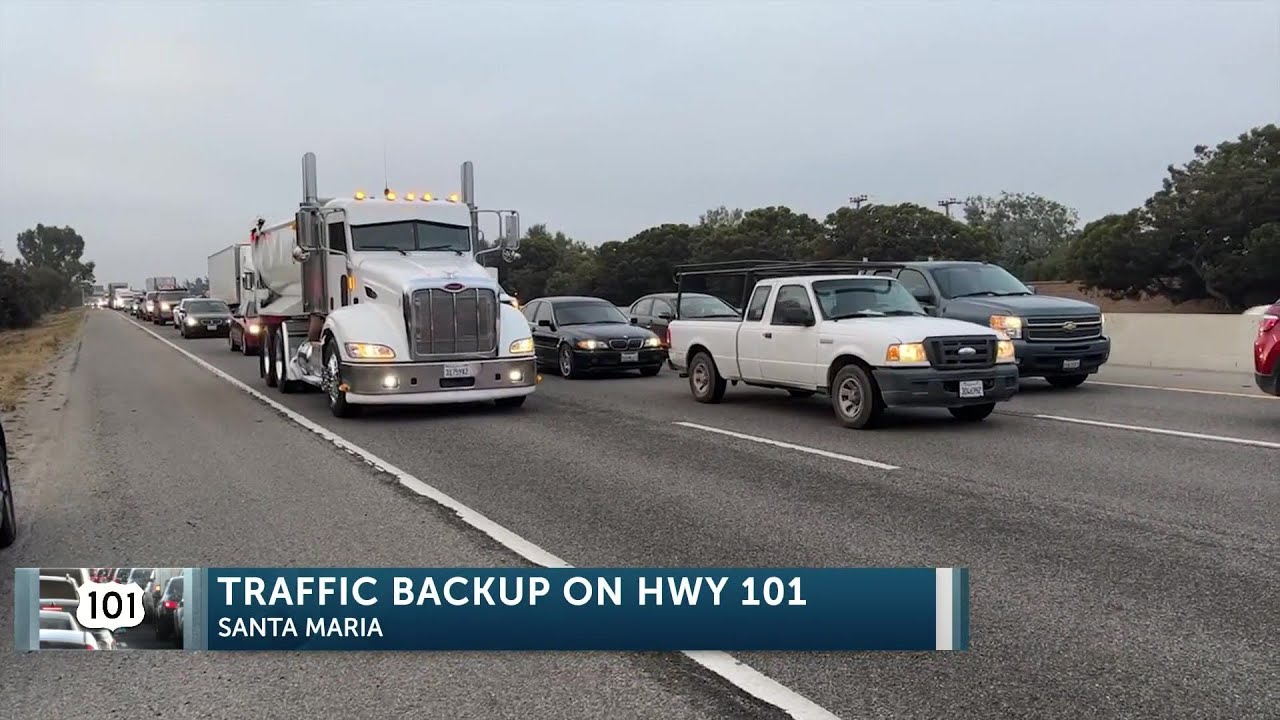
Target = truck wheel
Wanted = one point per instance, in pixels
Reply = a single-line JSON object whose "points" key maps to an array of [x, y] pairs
{"points": [[338, 404], [972, 413], [704, 380], [8, 521], [268, 364], [281, 364], [800, 393], [855, 397], [510, 402], [1066, 381], [567, 367]]}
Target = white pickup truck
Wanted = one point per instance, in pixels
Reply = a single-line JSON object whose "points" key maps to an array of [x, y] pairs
{"points": [[862, 340]]}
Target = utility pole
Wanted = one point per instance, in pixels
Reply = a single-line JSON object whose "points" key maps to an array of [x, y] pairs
{"points": [[857, 200], [946, 205]]}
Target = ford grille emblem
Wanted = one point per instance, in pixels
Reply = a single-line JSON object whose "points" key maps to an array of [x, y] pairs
{"points": [[967, 351], [1068, 326], [455, 287]]}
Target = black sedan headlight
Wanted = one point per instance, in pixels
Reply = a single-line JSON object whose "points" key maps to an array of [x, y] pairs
{"points": [[592, 344]]}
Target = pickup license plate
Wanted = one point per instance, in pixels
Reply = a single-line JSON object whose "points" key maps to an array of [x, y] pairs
{"points": [[630, 357], [1071, 364], [970, 388], [458, 371]]}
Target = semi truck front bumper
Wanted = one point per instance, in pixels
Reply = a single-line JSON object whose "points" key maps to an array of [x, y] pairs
{"points": [[442, 382], [927, 387]]}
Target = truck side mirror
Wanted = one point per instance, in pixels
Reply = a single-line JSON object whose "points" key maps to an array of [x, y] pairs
{"points": [[511, 232]]}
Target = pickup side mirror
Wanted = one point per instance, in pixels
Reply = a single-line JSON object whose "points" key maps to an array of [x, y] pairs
{"points": [[666, 316], [1032, 288]]}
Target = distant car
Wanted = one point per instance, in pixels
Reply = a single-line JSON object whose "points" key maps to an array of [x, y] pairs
{"points": [[167, 610], [140, 577], [654, 312], [67, 640], [578, 335], [8, 518], [80, 576], [245, 334], [205, 318], [1266, 351], [178, 612], [178, 311], [58, 620], [165, 300], [55, 589], [160, 578], [122, 575]]}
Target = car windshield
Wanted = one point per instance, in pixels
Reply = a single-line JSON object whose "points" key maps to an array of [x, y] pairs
{"points": [[705, 306], [207, 306], [174, 590], [977, 280], [864, 297], [58, 589], [586, 313], [412, 235]]}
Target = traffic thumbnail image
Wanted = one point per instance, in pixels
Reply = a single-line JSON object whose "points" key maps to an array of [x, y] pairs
{"points": [[111, 608]]}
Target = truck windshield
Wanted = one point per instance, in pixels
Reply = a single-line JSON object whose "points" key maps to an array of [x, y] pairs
{"points": [[410, 235], [588, 313], [977, 280], [864, 297]]}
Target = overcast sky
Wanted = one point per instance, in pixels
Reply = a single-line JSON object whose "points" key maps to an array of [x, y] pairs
{"points": [[160, 130]]}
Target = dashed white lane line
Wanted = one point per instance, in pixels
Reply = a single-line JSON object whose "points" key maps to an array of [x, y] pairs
{"points": [[735, 672], [790, 446], [1164, 431], [1223, 393]]}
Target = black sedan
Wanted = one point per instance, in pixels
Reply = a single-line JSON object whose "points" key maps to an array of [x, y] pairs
{"points": [[206, 318], [584, 334]]}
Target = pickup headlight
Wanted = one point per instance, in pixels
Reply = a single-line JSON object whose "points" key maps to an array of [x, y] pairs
{"points": [[523, 346], [370, 351], [191, 322], [906, 353], [164, 306], [653, 342], [592, 344], [1010, 325], [1004, 351]]}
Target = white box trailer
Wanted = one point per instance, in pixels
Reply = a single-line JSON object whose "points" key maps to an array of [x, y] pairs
{"points": [[163, 282], [231, 276], [382, 301]]}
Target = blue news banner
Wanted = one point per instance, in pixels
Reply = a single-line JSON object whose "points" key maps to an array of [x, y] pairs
{"points": [[851, 609]]}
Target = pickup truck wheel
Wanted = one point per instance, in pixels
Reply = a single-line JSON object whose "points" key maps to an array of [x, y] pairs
{"points": [[704, 380], [567, 368], [972, 413], [800, 393], [856, 398], [1066, 381]]}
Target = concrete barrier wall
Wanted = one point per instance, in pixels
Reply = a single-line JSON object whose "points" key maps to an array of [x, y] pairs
{"points": [[1221, 343]]}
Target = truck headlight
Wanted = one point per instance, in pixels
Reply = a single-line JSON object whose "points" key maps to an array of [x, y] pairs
{"points": [[191, 322], [906, 353], [1004, 351], [592, 344], [653, 342], [370, 351], [1010, 325], [523, 346]]}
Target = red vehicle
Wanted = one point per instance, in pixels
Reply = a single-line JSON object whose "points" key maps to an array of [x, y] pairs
{"points": [[246, 329], [1266, 351]]}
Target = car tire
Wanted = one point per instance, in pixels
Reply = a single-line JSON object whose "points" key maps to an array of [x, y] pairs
{"points": [[705, 381], [800, 393], [338, 404], [1067, 381], [565, 363], [510, 403], [231, 341], [268, 363], [972, 413], [650, 371], [8, 517], [855, 398]]}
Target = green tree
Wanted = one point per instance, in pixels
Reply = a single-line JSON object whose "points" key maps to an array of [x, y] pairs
{"points": [[19, 302], [1027, 229], [771, 233], [646, 262], [720, 217], [57, 248], [901, 233], [1117, 253]]}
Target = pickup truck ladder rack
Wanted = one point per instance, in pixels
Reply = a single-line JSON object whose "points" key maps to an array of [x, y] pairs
{"points": [[752, 271]]}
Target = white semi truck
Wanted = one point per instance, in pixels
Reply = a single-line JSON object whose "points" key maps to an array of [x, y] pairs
{"points": [[382, 301], [231, 276]]}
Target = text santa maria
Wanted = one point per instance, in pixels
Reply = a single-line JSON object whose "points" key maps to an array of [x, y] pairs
{"points": [[342, 627]]}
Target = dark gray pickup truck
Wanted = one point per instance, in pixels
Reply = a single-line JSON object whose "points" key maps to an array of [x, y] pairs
{"points": [[1059, 339]]}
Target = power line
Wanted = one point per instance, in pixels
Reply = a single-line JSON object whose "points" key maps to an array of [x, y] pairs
{"points": [[857, 200], [946, 205]]}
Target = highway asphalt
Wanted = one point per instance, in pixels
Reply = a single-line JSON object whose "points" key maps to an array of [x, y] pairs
{"points": [[1122, 567]]}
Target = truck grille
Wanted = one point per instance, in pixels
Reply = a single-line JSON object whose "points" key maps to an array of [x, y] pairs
{"points": [[632, 344], [955, 353], [447, 324], [1057, 329]]}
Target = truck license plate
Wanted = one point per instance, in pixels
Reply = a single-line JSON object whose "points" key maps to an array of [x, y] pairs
{"points": [[1071, 364], [970, 388], [631, 357], [458, 371]]}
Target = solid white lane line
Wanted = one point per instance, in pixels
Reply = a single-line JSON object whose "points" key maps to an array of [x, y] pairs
{"points": [[1251, 396], [735, 672], [790, 446], [1163, 431]]}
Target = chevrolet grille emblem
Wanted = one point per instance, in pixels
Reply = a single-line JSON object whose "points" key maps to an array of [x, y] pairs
{"points": [[1068, 326]]}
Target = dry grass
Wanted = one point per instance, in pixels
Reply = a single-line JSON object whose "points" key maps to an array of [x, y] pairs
{"points": [[24, 353]]}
